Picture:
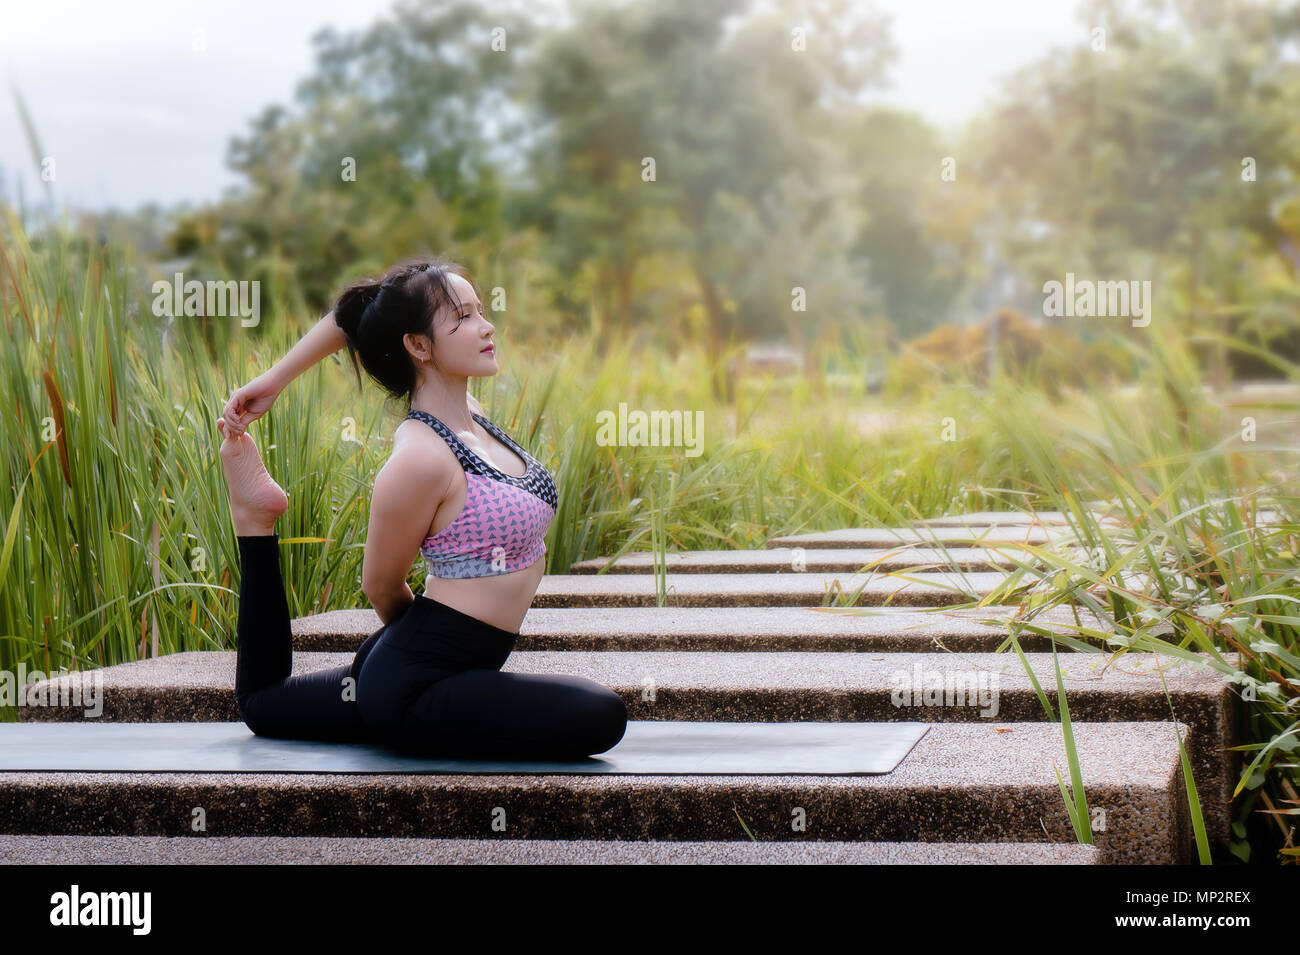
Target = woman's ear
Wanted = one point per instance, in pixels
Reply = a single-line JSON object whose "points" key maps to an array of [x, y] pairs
{"points": [[419, 347]]}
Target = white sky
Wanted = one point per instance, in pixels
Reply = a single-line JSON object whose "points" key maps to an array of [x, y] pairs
{"points": [[130, 111]]}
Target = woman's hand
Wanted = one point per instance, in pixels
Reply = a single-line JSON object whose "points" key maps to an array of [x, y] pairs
{"points": [[253, 400], [250, 402]]}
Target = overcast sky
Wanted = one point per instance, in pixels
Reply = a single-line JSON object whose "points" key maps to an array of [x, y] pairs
{"points": [[130, 111]]}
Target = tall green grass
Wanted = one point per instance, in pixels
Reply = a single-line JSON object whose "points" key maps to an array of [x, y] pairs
{"points": [[1190, 575]]}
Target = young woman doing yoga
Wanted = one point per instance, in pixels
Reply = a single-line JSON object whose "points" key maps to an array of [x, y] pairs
{"points": [[456, 489]]}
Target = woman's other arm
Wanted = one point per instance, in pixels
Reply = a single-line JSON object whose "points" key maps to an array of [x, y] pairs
{"points": [[324, 339], [408, 490], [254, 399]]}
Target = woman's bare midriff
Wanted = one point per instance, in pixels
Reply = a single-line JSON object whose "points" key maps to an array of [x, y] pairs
{"points": [[501, 600]]}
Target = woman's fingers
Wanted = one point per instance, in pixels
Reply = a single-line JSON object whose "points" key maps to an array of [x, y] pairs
{"points": [[248, 403], [234, 414]]}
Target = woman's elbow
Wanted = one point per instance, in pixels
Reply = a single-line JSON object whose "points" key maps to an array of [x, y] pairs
{"points": [[389, 603]]}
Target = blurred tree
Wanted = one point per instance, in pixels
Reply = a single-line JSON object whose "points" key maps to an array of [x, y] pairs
{"points": [[1127, 161], [389, 153], [748, 184], [921, 237]]}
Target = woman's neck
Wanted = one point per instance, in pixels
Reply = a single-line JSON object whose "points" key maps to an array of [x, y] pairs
{"points": [[448, 406]]}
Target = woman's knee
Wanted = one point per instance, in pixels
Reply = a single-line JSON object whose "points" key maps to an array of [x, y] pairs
{"points": [[253, 716], [608, 719], [588, 716]]}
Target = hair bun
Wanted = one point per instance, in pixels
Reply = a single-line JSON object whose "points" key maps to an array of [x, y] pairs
{"points": [[352, 304]]}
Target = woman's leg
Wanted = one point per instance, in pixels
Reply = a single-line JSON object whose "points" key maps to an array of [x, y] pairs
{"points": [[316, 706], [486, 714], [320, 705], [433, 687]]}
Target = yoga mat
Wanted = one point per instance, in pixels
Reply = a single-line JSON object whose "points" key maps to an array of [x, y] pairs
{"points": [[648, 747]]}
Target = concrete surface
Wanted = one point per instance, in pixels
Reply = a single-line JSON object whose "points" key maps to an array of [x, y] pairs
{"points": [[864, 687], [740, 629], [308, 850], [961, 783]]}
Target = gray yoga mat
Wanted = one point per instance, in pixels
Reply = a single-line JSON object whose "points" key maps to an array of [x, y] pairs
{"points": [[648, 747]]}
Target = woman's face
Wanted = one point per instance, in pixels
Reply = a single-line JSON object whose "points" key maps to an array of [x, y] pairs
{"points": [[462, 333]]}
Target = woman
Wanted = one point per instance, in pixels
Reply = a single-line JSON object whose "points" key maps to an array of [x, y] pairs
{"points": [[456, 489]]}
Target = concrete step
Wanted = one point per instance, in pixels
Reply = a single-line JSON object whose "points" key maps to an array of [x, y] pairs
{"points": [[1108, 516], [736, 629], [1014, 519], [327, 850], [963, 782], [198, 686], [788, 560], [919, 589], [874, 538]]}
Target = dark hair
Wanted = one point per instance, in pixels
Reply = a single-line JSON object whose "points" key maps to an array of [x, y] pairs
{"points": [[375, 314]]}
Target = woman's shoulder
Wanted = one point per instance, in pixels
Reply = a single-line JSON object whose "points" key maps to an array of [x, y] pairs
{"points": [[422, 454]]}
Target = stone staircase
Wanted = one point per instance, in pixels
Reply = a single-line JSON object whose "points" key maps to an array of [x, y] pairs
{"points": [[744, 638]]}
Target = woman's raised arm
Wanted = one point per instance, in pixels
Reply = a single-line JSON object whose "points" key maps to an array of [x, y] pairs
{"points": [[254, 399]]}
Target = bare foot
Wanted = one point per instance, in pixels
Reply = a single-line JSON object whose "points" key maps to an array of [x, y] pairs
{"points": [[255, 499]]}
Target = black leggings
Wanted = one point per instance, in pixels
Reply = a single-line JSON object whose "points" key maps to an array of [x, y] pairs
{"points": [[428, 683]]}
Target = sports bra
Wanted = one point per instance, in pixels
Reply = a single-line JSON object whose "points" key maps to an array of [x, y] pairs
{"points": [[502, 527]]}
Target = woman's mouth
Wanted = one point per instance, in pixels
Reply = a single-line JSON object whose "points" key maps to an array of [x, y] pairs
{"points": [[489, 350]]}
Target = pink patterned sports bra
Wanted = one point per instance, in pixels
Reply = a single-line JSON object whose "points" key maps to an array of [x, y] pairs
{"points": [[502, 527]]}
